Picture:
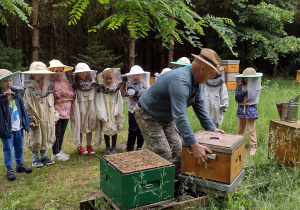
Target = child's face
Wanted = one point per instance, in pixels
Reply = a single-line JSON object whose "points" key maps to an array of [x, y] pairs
{"points": [[82, 75], [6, 84], [108, 78], [136, 78], [39, 78], [59, 71]]}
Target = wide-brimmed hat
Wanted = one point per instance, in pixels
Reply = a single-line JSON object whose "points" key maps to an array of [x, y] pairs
{"points": [[136, 69], [115, 70], [56, 63], [38, 67], [82, 67], [209, 57], [6, 73], [183, 61], [249, 72]]}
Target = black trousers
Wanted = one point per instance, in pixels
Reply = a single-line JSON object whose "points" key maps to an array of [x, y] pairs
{"points": [[134, 133], [60, 129]]}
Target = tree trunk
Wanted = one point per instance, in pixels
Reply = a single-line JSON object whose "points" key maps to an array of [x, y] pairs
{"points": [[275, 67], [131, 50], [171, 53], [35, 32]]}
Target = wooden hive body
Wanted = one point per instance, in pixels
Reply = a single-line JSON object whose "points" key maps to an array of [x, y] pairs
{"points": [[138, 178], [284, 141], [232, 68], [229, 150]]}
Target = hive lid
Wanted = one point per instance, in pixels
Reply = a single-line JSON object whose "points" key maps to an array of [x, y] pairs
{"points": [[230, 61], [129, 162], [217, 142]]}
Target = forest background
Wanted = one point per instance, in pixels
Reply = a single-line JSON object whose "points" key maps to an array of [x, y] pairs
{"points": [[121, 33]]}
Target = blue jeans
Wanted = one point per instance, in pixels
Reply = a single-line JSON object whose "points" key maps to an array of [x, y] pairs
{"points": [[15, 141]]}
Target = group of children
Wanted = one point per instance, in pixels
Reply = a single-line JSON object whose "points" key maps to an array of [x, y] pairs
{"points": [[54, 95], [92, 102]]}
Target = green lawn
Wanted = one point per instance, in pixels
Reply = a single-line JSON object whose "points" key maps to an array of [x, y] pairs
{"points": [[64, 184]]}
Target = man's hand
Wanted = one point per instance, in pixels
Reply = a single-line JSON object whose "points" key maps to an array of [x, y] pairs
{"points": [[218, 130], [200, 151]]}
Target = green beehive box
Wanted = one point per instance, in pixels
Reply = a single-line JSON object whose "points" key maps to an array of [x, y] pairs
{"points": [[138, 178]]}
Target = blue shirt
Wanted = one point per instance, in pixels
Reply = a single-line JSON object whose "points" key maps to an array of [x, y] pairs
{"points": [[170, 95]]}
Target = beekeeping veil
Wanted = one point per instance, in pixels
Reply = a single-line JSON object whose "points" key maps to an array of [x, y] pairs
{"points": [[252, 80], [17, 84], [137, 70], [39, 79], [84, 78], [115, 83], [67, 73]]}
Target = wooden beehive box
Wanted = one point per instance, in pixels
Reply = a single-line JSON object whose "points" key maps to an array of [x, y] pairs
{"points": [[134, 179], [229, 162], [284, 141], [232, 68]]}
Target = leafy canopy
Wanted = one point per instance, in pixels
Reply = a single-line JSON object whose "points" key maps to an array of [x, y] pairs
{"points": [[162, 16], [262, 27], [14, 7]]}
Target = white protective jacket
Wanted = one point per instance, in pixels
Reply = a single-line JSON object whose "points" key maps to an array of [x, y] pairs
{"points": [[215, 96]]}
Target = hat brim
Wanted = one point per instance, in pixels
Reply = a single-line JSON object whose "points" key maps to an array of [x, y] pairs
{"points": [[130, 74], [184, 64], [253, 75], [12, 74], [66, 68], [206, 62], [38, 72], [80, 71]]}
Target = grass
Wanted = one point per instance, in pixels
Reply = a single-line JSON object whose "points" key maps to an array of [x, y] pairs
{"points": [[64, 184]]}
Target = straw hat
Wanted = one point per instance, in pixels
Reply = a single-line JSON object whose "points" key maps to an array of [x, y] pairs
{"points": [[249, 72], [56, 63], [136, 69], [209, 57], [38, 67], [82, 67], [115, 70], [6, 73]]}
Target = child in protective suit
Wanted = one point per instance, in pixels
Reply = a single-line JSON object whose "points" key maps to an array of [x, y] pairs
{"points": [[247, 96], [39, 103]]}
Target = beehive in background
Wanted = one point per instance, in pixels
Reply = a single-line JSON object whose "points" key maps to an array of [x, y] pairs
{"points": [[232, 68], [298, 76], [138, 178]]}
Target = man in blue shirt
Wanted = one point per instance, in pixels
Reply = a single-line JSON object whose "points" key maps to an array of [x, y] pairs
{"points": [[162, 108]]}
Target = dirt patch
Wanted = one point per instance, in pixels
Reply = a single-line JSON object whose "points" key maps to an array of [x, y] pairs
{"points": [[129, 162]]}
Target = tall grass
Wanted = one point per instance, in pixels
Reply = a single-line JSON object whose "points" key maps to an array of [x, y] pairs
{"points": [[267, 185]]}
